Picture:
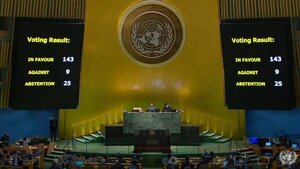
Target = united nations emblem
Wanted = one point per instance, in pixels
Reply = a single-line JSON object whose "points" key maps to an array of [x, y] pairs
{"points": [[287, 157], [151, 32]]}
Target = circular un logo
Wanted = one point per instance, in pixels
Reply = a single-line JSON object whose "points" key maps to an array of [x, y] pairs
{"points": [[151, 32], [287, 157]]}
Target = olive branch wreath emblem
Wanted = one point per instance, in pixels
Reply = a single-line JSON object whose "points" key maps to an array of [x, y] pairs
{"points": [[165, 47]]}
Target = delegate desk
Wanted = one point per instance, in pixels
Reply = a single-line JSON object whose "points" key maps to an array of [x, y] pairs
{"points": [[137, 121]]}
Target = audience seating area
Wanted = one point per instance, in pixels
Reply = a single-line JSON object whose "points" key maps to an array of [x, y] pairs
{"points": [[30, 157], [255, 156], [73, 161]]}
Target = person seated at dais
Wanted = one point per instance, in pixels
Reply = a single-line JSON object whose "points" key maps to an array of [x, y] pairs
{"points": [[167, 108], [151, 108]]}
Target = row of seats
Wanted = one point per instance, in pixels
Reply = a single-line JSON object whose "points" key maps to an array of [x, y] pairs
{"points": [[70, 160]]}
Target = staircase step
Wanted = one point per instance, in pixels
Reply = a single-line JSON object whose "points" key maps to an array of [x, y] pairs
{"points": [[53, 156], [62, 149], [247, 152], [48, 159], [216, 137], [223, 140], [203, 133], [95, 135], [90, 138], [101, 134], [57, 152], [209, 134], [82, 140]]}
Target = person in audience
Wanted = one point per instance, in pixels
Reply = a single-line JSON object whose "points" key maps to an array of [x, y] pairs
{"points": [[4, 139], [24, 153], [203, 161], [186, 163], [67, 157], [99, 158], [56, 165], [107, 160], [205, 153], [133, 165], [206, 158], [16, 159], [228, 161], [93, 159], [212, 157], [240, 163], [274, 158], [2, 156], [117, 165], [172, 164], [136, 157], [172, 159], [166, 159], [53, 127], [5, 152], [79, 160], [103, 164], [120, 158], [25, 141]]}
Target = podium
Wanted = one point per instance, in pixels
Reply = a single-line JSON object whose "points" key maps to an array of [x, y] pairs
{"points": [[134, 121], [152, 130], [152, 141]]}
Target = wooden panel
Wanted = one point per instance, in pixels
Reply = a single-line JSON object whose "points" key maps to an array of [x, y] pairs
{"points": [[235, 9], [6, 7]]}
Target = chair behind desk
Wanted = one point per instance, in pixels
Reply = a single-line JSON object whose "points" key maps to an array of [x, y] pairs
{"points": [[282, 148], [274, 149], [256, 149], [91, 165], [27, 164]]}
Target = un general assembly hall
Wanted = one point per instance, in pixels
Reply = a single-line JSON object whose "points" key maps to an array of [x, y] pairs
{"points": [[153, 84]]}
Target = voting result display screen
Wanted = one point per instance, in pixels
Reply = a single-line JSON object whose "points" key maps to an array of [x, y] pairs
{"points": [[257, 57], [46, 63]]}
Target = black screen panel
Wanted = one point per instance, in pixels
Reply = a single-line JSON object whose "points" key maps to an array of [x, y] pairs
{"points": [[257, 57], [46, 63]]}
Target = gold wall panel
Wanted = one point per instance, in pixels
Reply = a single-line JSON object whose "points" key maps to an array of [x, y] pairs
{"points": [[112, 83]]}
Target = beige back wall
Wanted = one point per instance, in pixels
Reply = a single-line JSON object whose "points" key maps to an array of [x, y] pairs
{"points": [[111, 82]]}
